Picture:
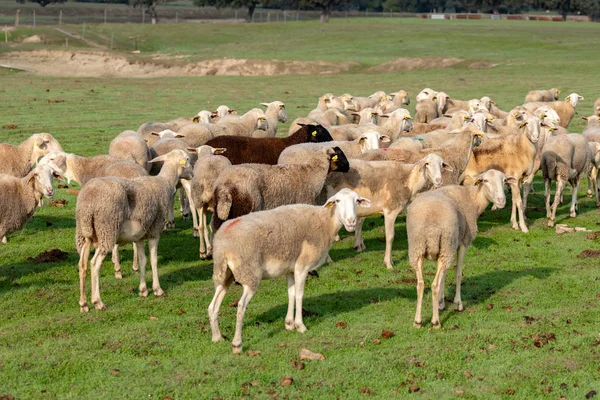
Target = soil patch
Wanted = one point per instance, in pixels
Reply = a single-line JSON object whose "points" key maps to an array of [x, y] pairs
{"points": [[103, 64], [589, 253], [53, 255], [413, 63]]}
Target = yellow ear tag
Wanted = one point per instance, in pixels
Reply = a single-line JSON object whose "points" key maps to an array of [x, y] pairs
{"points": [[182, 162], [329, 205], [314, 133], [334, 158], [38, 142]]}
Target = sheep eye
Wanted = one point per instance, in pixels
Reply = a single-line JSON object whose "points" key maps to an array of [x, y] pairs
{"points": [[337, 201]]}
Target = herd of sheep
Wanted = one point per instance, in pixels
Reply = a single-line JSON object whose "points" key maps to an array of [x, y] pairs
{"points": [[278, 203]]}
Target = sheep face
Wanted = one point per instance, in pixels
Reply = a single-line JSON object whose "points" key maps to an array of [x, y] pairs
{"points": [[492, 183], [203, 116], [348, 101], [370, 140], [555, 92], [205, 150], [56, 161], [432, 166], [344, 204], [594, 119], [42, 174], [282, 115], [318, 134], [261, 123], [573, 99], [532, 125], [167, 133], [338, 162], [43, 144], [400, 97], [426, 94], [333, 101]]}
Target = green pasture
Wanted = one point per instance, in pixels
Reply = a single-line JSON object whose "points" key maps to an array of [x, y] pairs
{"points": [[530, 328]]}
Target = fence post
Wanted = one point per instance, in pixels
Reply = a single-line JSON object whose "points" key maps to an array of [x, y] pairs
{"points": [[177, 17], [112, 39], [34, 18], [17, 18], [60, 17], [105, 10]]}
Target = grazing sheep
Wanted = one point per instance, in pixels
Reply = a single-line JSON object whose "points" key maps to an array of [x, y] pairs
{"points": [[391, 185], [565, 109], [246, 188], [241, 150], [565, 158], [18, 160], [114, 210], [275, 113], [128, 145], [290, 240], [515, 156], [206, 171], [443, 222], [542, 95], [20, 197]]}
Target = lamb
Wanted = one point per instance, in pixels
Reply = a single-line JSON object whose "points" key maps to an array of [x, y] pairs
{"points": [[18, 160], [391, 185], [114, 210], [242, 150], [443, 222], [20, 197], [275, 113], [400, 98], [565, 158], [128, 145], [515, 156], [206, 171], [246, 188], [289, 240], [369, 140], [565, 109], [542, 95]]}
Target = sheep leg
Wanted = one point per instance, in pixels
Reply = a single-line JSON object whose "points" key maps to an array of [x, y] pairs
{"points": [[289, 317], [300, 279], [359, 244], [201, 221], [135, 266], [208, 234], [435, 288], [96, 265], [560, 185], [547, 184], [4, 240], [441, 296], [187, 187], [242, 304], [153, 246], [527, 188], [215, 305], [116, 261], [462, 250], [420, 289], [141, 252], [390, 221], [184, 204], [517, 203], [573, 210], [592, 174], [83, 266]]}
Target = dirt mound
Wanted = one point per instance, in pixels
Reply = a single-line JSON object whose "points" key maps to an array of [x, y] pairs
{"points": [[33, 39], [409, 64], [53, 255], [102, 64], [589, 253]]}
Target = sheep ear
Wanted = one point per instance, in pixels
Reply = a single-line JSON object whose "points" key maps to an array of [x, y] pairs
{"points": [[580, 97], [159, 159], [511, 180], [264, 104], [584, 118], [523, 125], [361, 141], [385, 139], [155, 134], [31, 175], [361, 201], [447, 167], [477, 182], [232, 111], [179, 136], [384, 116], [330, 203], [196, 119], [192, 149], [219, 150], [39, 142], [300, 124]]}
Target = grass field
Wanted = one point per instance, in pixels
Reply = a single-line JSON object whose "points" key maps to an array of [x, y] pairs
{"points": [[531, 322]]}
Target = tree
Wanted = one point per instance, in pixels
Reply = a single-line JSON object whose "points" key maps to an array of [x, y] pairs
{"points": [[42, 3], [150, 6], [249, 4], [326, 6]]}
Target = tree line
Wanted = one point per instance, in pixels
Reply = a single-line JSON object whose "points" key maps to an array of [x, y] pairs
{"points": [[590, 8]]}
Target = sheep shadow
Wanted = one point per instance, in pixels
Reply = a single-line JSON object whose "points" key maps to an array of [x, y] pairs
{"points": [[11, 274]]}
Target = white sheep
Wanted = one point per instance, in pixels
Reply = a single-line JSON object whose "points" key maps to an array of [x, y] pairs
{"points": [[542, 95], [275, 113], [290, 240], [18, 160], [565, 109]]}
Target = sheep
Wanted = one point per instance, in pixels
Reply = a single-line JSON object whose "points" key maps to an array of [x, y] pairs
{"points": [[332, 116], [18, 160], [593, 172], [457, 105], [565, 158], [20, 197], [197, 134], [443, 222], [490, 105], [114, 210], [290, 240], [206, 171], [366, 116], [542, 95], [244, 125], [386, 107], [592, 133], [597, 107], [242, 150], [515, 156], [348, 101], [204, 116], [246, 188], [391, 186], [371, 101], [400, 98], [275, 113], [426, 94], [565, 109], [128, 145], [454, 121], [428, 110], [146, 130], [369, 140], [223, 111]]}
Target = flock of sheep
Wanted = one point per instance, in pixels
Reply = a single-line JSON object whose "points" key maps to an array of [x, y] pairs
{"points": [[277, 204]]}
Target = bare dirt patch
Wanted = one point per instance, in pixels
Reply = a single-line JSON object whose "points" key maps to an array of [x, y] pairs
{"points": [[53, 255], [415, 63], [103, 64]]}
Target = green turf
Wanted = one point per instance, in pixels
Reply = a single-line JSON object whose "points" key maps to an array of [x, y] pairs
{"points": [[516, 285]]}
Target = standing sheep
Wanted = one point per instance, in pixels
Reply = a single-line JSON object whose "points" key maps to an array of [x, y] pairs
{"points": [[128, 145], [290, 240], [564, 109], [119, 210], [440, 223], [542, 95], [18, 160], [275, 114]]}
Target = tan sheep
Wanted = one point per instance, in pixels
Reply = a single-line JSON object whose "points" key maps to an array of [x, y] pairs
{"points": [[564, 109], [128, 145], [18, 160], [542, 95]]}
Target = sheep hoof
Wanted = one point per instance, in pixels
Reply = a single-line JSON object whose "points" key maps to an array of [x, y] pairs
{"points": [[236, 349], [159, 292], [217, 339], [118, 275], [144, 292], [459, 307], [289, 326], [597, 205], [196, 234], [417, 324], [436, 324], [301, 328], [100, 306], [573, 214], [203, 256], [84, 308], [525, 229], [389, 265], [442, 306], [4, 240], [550, 223], [360, 247]]}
